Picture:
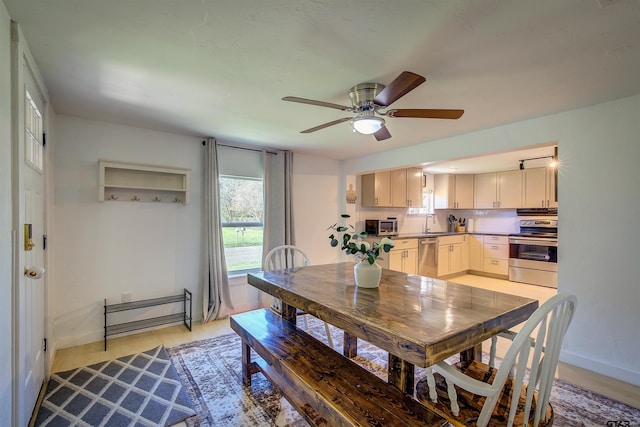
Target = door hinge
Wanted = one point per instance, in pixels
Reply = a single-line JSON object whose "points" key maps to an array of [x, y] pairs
{"points": [[44, 139], [45, 345], [44, 242]]}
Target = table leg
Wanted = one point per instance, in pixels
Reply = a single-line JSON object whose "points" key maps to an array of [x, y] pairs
{"points": [[470, 354], [350, 345], [288, 312], [401, 374], [246, 364]]}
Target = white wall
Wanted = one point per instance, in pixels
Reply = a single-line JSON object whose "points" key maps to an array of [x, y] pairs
{"points": [[5, 219], [103, 249], [599, 148]]}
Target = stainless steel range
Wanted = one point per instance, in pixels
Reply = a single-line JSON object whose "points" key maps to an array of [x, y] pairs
{"points": [[533, 253]]}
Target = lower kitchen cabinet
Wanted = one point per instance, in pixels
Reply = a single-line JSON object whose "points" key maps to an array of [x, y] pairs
{"points": [[489, 254], [404, 256], [475, 252], [453, 254]]}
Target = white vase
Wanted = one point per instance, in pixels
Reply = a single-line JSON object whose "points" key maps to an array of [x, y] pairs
{"points": [[367, 275]]}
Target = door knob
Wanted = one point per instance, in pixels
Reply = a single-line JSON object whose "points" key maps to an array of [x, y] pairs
{"points": [[33, 272]]}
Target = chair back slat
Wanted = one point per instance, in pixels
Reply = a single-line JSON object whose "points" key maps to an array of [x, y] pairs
{"points": [[285, 256]]}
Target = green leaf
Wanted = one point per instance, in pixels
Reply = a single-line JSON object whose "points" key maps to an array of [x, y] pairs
{"points": [[340, 229], [345, 216], [334, 243]]}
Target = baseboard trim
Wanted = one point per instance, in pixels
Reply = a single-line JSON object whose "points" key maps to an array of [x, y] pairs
{"points": [[620, 374]]}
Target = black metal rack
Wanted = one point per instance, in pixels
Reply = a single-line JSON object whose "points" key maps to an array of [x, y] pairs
{"points": [[121, 328]]}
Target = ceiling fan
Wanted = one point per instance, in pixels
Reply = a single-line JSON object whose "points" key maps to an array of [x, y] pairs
{"points": [[368, 99]]}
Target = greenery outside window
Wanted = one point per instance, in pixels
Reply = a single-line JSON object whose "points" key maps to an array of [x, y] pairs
{"points": [[242, 214]]}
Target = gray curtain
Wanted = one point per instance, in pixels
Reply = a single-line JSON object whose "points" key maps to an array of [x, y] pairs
{"points": [[215, 285], [278, 207]]}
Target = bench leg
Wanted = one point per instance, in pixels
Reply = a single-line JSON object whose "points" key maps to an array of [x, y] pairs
{"points": [[401, 374], [350, 345]]}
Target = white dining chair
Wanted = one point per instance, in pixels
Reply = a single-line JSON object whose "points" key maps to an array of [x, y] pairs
{"points": [[289, 256], [472, 393]]}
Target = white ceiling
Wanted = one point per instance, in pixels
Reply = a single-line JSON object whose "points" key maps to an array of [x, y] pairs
{"points": [[220, 67]]}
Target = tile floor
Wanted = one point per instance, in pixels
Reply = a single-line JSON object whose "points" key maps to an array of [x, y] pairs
{"points": [[82, 355]]}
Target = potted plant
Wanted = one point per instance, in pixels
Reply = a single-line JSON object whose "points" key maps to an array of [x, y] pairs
{"points": [[367, 272]]}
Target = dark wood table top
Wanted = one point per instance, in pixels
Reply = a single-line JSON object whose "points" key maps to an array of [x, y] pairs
{"points": [[419, 319]]}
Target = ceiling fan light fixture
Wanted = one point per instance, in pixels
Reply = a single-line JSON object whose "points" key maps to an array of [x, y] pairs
{"points": [[366, 123]]}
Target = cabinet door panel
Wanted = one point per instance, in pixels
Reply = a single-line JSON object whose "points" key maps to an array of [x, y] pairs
{"points": [[534, 187], [464, 192], [485, 191], [414, 187], [443, 260], [399, 188], [509, 189]]}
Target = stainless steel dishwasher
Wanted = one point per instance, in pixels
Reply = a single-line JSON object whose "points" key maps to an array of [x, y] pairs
{"points": [[428, 257]]}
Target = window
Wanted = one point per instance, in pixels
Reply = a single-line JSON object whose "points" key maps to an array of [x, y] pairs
{"points": [[33, 133], [242, 213]]}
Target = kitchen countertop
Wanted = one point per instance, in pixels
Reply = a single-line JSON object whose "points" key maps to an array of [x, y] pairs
{"points": [[443, 233]]}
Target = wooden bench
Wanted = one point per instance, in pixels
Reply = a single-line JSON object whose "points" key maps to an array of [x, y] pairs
{"points": [[325, 387]]}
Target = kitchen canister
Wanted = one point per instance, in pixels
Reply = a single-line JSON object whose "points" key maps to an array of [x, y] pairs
{"points": [[470, 225]]}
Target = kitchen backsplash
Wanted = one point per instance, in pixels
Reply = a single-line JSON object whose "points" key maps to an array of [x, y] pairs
{"points": [[486, 221]]}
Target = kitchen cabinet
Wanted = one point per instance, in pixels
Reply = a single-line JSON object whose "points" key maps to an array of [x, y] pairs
{"points": [[539, 188], [137, 182], [404, 256], [376, 189], [400, 188], [453, 191], [498, 190], [453, 254], [475, 253], [496, 255], [406, 188]]}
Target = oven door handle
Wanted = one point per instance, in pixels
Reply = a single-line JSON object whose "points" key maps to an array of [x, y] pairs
{"points": [[540, 241]]}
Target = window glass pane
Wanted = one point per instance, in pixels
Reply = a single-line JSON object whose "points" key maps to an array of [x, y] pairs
{"points": [[242, 213]]}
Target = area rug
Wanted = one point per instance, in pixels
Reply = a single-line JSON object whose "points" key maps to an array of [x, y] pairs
{"points": [[211, 372], [138, 390]]}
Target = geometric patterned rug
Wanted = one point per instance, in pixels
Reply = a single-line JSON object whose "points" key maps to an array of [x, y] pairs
{"points": [[211, 373], [141, 389]]}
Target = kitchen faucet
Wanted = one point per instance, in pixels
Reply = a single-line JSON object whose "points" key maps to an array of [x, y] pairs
{"points": [[426, 222]]}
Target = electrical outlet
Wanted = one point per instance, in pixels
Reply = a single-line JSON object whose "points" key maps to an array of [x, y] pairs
{"points": [[126, 297]]}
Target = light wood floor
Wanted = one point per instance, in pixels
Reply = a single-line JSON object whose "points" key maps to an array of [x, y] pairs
{"points": [[87, 354]]}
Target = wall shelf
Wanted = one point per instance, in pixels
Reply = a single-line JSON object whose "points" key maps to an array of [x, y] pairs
{"points": [[136, 182], [119, 328]]}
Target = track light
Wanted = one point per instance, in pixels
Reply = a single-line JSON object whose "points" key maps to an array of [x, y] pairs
{"points": [[552, 164]]}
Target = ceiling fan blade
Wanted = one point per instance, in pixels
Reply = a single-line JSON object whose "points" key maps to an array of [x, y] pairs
{"points": [[326, 125], [425, 113], [402, 85], [318, 103], [382, 134]]}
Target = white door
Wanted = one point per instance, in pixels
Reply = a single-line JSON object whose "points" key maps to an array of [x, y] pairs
{"points": [[31, 293]]}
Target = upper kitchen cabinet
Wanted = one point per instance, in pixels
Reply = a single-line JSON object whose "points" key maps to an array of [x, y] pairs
{"points": [[453, 191], [498, 190], [376, 189], [539, 188], [401, 188]]}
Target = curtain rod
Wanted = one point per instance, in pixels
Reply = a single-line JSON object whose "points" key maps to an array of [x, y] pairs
{"points": [[243, 148]]}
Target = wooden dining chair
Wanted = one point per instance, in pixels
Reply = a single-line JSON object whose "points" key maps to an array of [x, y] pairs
{"points": [[289, 256], [472, 393]]}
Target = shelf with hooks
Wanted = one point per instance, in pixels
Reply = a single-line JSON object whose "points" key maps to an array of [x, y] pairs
{"points": [[135, 182]]}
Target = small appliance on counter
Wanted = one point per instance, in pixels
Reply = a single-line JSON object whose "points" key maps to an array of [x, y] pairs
{"points": [[381, 227]]}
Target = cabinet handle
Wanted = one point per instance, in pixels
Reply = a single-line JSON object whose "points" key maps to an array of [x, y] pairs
{"points": [[376, 201], [543, 203], [494, 262]]}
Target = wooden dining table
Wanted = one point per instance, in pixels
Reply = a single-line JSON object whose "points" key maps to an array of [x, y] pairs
{"points": [[418, 320]]}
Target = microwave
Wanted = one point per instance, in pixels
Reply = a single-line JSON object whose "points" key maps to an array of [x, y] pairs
{"points": [[381, 227]]}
